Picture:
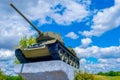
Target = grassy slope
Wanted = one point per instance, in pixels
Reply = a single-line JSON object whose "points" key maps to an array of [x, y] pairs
{"points": [[97, 77], [115, 78], [85, 76]]}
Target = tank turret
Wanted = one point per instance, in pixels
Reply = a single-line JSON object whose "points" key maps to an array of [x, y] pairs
{"points": [[50, 46]]}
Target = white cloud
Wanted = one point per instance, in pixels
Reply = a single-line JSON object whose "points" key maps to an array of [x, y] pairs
{"points": [[6, 54], [85, 42], [105, 20], [99, 52], [12, 28], [72, 35], [103, 65], [108, 58], [112, 63], [86, 3], [71, 10], [74, 12], [8, 66], [83, 60], [118, 60], [102, 60], [7, 61]]}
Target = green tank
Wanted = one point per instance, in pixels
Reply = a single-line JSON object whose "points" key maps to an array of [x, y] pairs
{"points": [[50, 46]]}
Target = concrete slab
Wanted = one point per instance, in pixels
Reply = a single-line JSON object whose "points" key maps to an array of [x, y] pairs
{"points": [[47, 70]]}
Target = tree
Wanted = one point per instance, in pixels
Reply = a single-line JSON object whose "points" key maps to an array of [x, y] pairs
{"points": [[110, 73], [14, 78], [16, 61], [79, 75], [31, 40], [9, 77], [2, 76], [24, 42], [100, 73]]}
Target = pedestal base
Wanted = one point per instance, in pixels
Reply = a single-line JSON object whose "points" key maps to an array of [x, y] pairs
{"points": [[47, 70]]}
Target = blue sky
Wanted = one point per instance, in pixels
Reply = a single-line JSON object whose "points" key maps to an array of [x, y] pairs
{"points": [[91, 27]]}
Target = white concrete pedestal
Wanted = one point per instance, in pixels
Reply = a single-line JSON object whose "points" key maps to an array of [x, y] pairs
{"points": [[47, 70]]}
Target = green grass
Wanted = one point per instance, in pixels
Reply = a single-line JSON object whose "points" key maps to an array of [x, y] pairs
{"points": [[114, 78], [86, 76], [98, 77]]}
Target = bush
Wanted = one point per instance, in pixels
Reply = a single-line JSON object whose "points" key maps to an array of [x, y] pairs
{"points": [[24, 42], [2, 76], [83, 76], [110, 73], [6, 77], [14, 78]]}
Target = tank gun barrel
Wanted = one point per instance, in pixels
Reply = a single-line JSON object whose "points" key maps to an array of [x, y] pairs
{"points": [[25, 18]]}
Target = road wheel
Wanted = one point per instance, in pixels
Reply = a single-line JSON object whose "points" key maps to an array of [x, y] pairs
{"points": [[66, 58], [61, 54], [70, 61]]}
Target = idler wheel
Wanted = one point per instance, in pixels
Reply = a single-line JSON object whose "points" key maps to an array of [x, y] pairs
{"points": [[20, 56]]}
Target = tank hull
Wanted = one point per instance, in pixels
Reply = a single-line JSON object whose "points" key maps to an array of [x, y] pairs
{"points": [[52, 51], [36, 52]]}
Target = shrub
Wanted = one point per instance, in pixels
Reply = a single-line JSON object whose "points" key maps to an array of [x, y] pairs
{"points": [[14, 78], [83, 76], [110, 73]]}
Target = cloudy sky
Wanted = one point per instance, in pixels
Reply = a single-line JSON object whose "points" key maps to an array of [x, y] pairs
{"points": [[91, 27]]}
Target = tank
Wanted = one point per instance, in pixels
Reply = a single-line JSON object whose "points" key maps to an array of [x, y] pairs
{"points": [[49, 46]]}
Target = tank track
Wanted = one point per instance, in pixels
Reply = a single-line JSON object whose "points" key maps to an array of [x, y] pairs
{"points": [[66, 56], [20, 56]]}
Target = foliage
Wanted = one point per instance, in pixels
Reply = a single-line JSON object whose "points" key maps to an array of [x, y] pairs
{"points": [[31, 40], [110, 73], [14, 78], [24, 42], [2, 76], [16, 61], [99, 77], [6, 77], [83, 76], [115, 78]]}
